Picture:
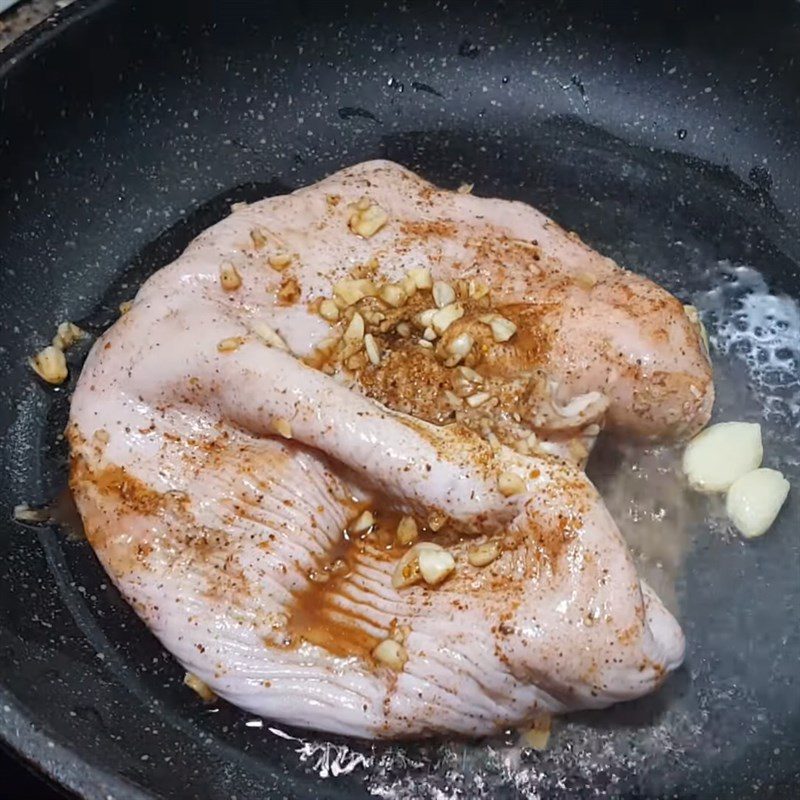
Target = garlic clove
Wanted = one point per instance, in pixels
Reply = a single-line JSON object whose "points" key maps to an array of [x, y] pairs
{"points": [[721, 453], [754, 500]]}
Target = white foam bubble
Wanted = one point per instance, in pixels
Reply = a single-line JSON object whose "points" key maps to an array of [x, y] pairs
{"points": [[747, 322]]}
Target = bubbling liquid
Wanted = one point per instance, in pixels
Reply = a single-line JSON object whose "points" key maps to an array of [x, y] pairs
{"points": [[760, 330]]}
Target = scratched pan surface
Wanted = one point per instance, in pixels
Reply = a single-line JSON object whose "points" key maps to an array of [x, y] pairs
{"points": [[670, 139]]}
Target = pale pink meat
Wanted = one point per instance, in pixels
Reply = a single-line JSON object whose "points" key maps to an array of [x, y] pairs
{"points": [[210, 522]]}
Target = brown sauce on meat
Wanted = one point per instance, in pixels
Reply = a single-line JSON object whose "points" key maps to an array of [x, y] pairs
{"points": [[316, 613]]}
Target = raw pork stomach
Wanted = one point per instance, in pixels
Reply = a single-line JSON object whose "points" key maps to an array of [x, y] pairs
{"points": [[371, 353]]}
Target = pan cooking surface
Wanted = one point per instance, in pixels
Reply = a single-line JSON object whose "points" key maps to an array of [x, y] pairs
{"points": [[650, 139]]}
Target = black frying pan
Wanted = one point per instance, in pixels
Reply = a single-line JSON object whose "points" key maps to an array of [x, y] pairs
{"points": [[668, 135]]}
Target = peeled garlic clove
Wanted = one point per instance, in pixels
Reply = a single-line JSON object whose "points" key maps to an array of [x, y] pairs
{"points": [[755, 499], [719, 455]]}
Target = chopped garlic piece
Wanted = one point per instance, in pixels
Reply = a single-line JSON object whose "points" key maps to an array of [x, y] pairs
{"points": [[407, 571], [538, 735], [470, 375], [327, 344], [421, 278], [502, 329], [355, 330], [391, 654], [408, 286], [719, 455], [289, 292], [392, 294], [586, 280], [258, 236], [509, 483], [429, 334], [446, 316], [283, 427], [466, 188], [67, 334], [477, 290], [229, 277], [329, 310], [230, 344], [483, 554], [268, 336], [367, 218], [279, 261], [407, 531], [202, 689], [437, 520], [125, 306], [24, 513], [435, 565], [363, 522], [50, 364], [350, 290], [443, 294], [460, 346], [755, 499], [453, 399], [424, 318], [373, 351], [478, 399]]}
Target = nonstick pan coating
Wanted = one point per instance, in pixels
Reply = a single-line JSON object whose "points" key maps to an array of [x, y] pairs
{"points": [[667, 135]]}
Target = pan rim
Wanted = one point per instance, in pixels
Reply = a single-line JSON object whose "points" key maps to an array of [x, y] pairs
{"points": [[30, 43], [58, 763]]}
